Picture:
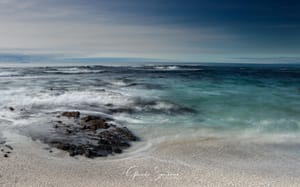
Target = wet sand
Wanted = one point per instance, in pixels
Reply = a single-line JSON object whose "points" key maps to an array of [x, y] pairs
{"points": [[196, 161]]}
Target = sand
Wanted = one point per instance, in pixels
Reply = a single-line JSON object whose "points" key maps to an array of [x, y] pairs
{"points": [[197, 161]]}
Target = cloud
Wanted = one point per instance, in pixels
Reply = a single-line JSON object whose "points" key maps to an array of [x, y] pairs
{"points": [[22, 58], [44, 58], [78, 30], [172, 30]]}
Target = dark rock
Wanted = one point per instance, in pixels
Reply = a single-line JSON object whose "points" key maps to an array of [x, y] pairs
{"points": [[9, 147], [11, 108], [125, 132], [91, 136], [94, 122], [104, 142], [122, 110], [117, 150], [97, 124], [89, 118], [69, 131], [5, 155], [74, 114]]}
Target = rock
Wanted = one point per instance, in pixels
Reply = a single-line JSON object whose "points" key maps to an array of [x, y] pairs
{"points": [[69, 131], [11, 108], [118, 150], [74, 114], [122, 110], [94, 122], [5, 155], [91, 136], [9, 147], [104, 142], [89, 118], [97, 124], [125, 132]]}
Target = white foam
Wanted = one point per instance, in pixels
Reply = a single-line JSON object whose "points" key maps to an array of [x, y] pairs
{"points": [[8, 74], [69, 98], [166, 67], [74, 70], [163, 105], [119, 83], [173, 68]]}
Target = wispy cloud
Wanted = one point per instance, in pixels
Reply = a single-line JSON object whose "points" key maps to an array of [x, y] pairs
{"points": [[48, 27], [21, 58], [172, 30]]}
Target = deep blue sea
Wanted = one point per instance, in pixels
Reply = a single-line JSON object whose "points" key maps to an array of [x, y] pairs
{"points": [[159, 100]]}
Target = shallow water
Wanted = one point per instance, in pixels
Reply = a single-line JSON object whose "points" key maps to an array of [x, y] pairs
{"points": [[159, 102]]}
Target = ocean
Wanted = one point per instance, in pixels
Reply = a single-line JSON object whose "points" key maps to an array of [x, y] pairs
{"points": [[160, 103]]}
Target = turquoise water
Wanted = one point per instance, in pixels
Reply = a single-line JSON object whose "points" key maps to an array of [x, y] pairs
{"points": [[168, 98], [256, 98], [243, 118]]}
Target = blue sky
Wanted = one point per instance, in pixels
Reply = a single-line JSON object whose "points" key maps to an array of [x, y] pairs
{"points": [[155, 31]]}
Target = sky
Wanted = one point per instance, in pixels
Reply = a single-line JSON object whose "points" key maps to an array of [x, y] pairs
{"points": [[260, 31]]}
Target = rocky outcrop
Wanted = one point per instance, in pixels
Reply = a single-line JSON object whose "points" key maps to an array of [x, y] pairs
{"points": [[5, 149], [91, 136], [75, 114]]}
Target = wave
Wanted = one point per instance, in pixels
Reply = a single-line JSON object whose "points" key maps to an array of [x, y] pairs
{"points": [[175, 68], [166, 67], [73, 70], [128, 83], [70, 98], [8, 74], [153, 106]]}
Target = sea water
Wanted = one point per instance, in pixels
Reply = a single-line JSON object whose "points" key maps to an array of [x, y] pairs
{"points": [[159, 102]]}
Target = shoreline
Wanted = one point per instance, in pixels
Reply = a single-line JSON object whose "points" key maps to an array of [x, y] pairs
{"points": [[213, 127], [165, 164]]}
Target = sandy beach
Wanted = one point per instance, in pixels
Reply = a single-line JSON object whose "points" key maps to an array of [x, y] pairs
{"points": [[149, 93], [194, 162]]}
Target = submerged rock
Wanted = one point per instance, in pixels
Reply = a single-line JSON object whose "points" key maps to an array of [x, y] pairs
{"points": [[91, 136], [97, 124], [6, 150], [94, 122], [9, 147], [74, 114]]}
